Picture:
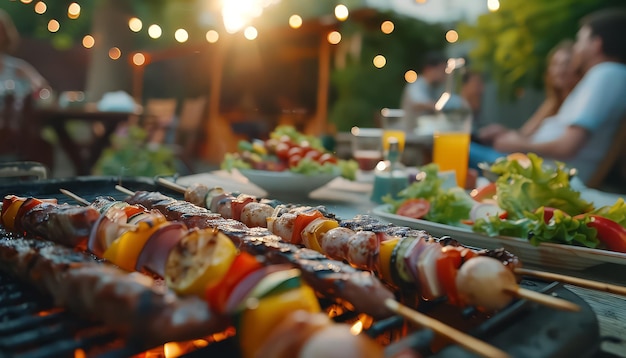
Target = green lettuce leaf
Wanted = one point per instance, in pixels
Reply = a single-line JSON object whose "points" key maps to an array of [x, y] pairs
{"points": [[615, 212], [521, 190]]}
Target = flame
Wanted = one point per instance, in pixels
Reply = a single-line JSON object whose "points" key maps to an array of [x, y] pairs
{"points": [[79, 353], [356, 328], [364, 322]]}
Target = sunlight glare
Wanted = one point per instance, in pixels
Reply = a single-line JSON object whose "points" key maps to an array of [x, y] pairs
{"points": [[493, 5], [237, 14]]}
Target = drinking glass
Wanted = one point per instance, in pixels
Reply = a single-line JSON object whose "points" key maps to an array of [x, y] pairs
{"points": [[394, 125], [367, 148], [451, 142]]}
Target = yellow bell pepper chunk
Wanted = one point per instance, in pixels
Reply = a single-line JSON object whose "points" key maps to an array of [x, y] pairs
{"points": [[384, 257], [125, 250], [8, 217], [315, 230], [262, 315]]}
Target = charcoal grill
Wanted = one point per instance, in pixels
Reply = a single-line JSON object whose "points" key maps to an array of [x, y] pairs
{"points": [[30, 325]]}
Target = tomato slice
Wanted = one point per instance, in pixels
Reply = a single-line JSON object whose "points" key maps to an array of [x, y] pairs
{"points": [[243, 265], [302, 220], [414, 208], [484, 192], [611, 234]]}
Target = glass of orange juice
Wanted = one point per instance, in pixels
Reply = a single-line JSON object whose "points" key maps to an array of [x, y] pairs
{"points": [[394, 125], [451, 142]]}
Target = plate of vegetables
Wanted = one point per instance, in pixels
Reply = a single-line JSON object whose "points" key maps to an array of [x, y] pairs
{"points": [[288, 164], [530, 210]]}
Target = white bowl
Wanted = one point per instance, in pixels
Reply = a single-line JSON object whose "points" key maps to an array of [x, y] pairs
{"points": [[286, 185]]}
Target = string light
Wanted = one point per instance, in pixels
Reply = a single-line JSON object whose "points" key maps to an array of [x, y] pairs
{"points": [[139, 59], [341, 12], [41, 7], [410, 76], [27, 1], [334, 37], [88, 41], [53, 25], [154, 31], [387, 27], [181, 35], [250, 33], [212, 36], [295, 21], [452, 36], [115, 53], [379, 61], [493, 5], [134, 24], [73, 11]]}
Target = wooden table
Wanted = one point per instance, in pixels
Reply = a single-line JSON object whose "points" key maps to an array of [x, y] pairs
{"points": [[347, 199], [82, 155]]}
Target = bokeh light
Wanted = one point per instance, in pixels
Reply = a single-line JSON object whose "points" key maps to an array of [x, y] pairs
{"points": [[181, 35], [73, 11], [154, 31], [341, 12], [493, 5], [212, 36], [410, 76], [41, 7], [334, 37], [295, 21], [53, 25], [134, 24], [452, 36], [421, 1], [27, 1], [115, 53], [250, 33], [379, 61], [387, 27], [139, 59], [88, 41]]}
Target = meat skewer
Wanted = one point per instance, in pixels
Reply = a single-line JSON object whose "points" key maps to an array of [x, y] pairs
{"points": [[429, 284], [283, 302]]}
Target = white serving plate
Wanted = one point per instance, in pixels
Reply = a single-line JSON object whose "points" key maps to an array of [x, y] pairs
{"points": [[545, 255], [287, 184]]}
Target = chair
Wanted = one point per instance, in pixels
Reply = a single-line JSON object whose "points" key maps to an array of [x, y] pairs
{"points": [[614, 156]]}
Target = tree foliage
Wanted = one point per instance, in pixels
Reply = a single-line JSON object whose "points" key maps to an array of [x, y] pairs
{"points": [[512, 43]]}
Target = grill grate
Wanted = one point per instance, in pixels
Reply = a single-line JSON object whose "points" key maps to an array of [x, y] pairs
{"points": [[31, 327]]}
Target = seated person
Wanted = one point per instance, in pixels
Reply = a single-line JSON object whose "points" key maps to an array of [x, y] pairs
{"points": [[559, 82], [472, 89], [16, 75], [420, 96], [582, 130]]}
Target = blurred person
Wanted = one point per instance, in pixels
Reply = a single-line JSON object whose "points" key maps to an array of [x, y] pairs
{"points": [[16, 75], [584, 127], [472, 89], [560, 79], [419, 97]]}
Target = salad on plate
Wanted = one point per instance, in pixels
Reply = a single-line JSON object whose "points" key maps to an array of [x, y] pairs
{"points": [[287, 149], [528, 200]]}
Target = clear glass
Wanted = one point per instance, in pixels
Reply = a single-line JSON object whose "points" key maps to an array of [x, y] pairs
{"points": [[367, 147]]}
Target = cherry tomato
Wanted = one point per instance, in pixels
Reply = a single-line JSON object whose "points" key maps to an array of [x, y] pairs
{"points": [[314, 154], [414, 208], [548, 213], [295, 151], [327, 158], [448, 265], [294, 160], [282, 151]]}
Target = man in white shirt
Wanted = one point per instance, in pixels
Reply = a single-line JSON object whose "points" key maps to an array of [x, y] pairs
{"points": [[420, 96], [585, 125]]}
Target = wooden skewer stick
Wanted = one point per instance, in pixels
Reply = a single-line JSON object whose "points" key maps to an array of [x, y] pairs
{"points": [[79, 199], [464, 340], [171, 185], [124, 190], [541, 298], [594, 285]]}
